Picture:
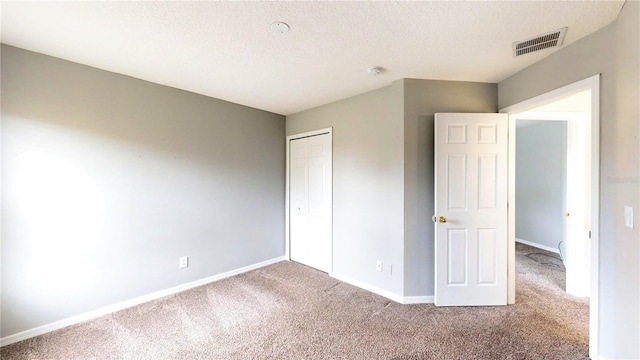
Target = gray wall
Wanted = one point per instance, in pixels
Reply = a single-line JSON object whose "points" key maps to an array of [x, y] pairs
{"points": [[368, 168], [614, 53], [541, 181], [422, 99], [383, 176], [107, 180]]}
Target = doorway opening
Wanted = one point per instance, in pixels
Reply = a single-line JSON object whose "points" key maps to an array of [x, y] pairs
{"points": [[552, 185], [541, 199], [578, 105]]}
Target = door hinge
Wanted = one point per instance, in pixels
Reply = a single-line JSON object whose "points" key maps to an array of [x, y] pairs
{"points": [[589, 234]]}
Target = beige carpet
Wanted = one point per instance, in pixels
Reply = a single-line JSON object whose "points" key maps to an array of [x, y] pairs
{"points": [[289, 311]]}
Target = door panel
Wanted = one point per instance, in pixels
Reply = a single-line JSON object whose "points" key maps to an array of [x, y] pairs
{"points": [[311, 201], [487, 248], [487, 181], [471, 209], [457, 182], [457, 256], [299, 208]]}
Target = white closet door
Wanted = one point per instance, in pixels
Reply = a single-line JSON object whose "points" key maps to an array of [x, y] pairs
{"points": [[310, 206], [299, 197]]}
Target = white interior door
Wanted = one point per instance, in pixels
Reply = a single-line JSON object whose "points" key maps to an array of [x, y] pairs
{"points": [[310, 205], [471, 209], [578, 242]]}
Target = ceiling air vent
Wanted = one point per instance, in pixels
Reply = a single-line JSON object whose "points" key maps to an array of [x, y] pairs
{"points": [[539, 42]]}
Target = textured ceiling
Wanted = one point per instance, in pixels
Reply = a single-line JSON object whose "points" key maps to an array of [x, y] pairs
{"points": [[226, 49]]}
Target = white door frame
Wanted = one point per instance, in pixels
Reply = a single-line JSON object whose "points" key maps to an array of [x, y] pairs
{"points": [[288, 163], [592, 84]]}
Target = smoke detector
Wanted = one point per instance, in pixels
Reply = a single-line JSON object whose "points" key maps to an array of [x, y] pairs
{"points": [[279, 27], [374, 71], [540, 42]]}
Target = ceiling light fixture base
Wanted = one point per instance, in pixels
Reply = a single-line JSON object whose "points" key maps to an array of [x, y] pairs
{"points": [[279, 27], [374, 71]]}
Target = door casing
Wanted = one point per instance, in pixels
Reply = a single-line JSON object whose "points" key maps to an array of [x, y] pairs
{"points": [[593, 85]]}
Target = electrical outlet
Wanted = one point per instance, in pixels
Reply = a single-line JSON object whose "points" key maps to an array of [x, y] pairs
{"points": [[184, 262], [379, 265]]}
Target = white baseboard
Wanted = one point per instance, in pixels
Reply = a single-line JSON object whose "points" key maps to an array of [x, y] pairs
{"points": [[418, 300], [374, 289], [384, 293], [535, 245], [129, 303]]}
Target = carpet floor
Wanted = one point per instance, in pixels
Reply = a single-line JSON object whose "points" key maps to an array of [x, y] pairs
{"points": [[290, 311]]}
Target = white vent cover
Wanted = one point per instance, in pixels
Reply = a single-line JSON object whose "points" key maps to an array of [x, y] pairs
{"points": [[539, 42]]}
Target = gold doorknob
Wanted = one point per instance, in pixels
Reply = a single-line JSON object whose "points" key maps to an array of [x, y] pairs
{"points": [[567, 214], [442, 219]]}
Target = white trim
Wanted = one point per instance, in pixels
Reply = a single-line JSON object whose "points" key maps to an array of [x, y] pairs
{"points": [[550, 115], [405, 300], [329, 131], [539, 246], [129, 303], [418, 300], [551, 96], [593, 84], [511, 211], [374, 289], [594, 297]]}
